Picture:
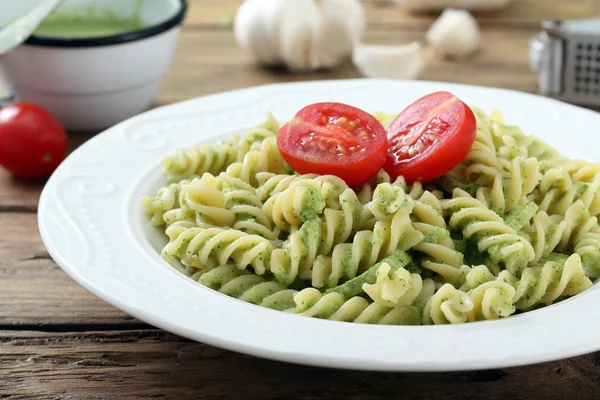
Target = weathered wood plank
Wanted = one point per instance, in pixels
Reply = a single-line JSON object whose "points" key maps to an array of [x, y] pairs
{"points": [[502, 63], [155, 364], [19, 195], [33, 289], [385, 14]]}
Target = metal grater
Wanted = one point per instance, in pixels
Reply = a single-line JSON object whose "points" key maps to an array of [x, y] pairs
{"points": [[567, 56]]}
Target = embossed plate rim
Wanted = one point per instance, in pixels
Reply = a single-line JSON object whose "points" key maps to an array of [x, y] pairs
{"points": [[84, 224]]}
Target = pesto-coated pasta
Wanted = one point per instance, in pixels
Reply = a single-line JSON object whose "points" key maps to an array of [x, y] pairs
{"points": [[512, 228]]}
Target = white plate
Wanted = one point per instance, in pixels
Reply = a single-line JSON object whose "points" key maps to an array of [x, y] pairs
{"points": [[91, 223]]}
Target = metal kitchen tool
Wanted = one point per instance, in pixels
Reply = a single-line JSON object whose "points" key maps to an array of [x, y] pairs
{"points": [[567, 56]]}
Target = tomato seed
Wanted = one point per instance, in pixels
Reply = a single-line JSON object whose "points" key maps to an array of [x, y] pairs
{"points": [[363, 134], [341, 121]]}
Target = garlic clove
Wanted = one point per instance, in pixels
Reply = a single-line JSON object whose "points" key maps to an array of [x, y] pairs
{"points": [[455, 34], [395, 62], [439, 5], [254, 34], [338, 32], [298, 35]]}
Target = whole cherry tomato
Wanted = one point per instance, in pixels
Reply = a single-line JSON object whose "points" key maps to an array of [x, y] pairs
{"points": [[32, 141]]}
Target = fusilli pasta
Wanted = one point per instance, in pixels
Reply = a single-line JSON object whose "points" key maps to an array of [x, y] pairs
{"points": [[513, 227]]}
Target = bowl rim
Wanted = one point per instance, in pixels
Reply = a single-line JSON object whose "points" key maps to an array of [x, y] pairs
{"points": [[130, 36]]}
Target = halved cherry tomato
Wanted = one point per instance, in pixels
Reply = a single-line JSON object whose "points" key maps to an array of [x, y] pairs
{"points": [[430, 137], [335, 139]]}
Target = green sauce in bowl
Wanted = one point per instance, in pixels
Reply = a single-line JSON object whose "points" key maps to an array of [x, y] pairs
{"points": [[87, 23]]}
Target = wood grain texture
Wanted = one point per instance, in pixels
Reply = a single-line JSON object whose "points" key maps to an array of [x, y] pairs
{"points": [[503, 64], [35, 292], [218, 14], [155, 364]]}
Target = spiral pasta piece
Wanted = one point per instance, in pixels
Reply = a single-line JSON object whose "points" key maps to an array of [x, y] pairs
{"points": [[545, 233], [297, 256], [447, 306], [491, 300], [550, 233], [339, 225], [215, 158], [559, 197], [166, 199], [402, 288], [366, 248], [366, 191], [481, 164], [266, 158], [578, 222], [580, 170], [303, 200], [511, 186], [185, 164], [312, 303], [546, 283], [387, 200], [493, 236], [588, 248], [211, 247], [510, 141], [243, 202], [242, 285], [270, 183], [442, 257], [510, 150], [204, 197]]}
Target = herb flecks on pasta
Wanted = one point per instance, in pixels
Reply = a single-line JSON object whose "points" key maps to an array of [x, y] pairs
{"points": [[512, 228]]}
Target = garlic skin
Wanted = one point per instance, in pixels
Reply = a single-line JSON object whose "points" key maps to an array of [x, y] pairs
{"points": [[454, 34], [393, 62], [303, 35], [438, 5]]}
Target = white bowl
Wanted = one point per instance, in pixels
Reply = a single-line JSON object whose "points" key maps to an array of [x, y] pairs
{"points": [[94, 83]]}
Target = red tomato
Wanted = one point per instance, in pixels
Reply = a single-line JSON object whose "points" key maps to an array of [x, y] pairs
{"points": [[335, 139], [32, 141], [430, 137]]}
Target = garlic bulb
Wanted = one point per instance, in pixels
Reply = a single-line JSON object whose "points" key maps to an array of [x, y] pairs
{"points": [[395, 62], [439, 5], [455, 34], [301, 34]]}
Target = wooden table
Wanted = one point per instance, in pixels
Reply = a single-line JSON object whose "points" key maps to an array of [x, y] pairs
{"points": [[58, 341]]}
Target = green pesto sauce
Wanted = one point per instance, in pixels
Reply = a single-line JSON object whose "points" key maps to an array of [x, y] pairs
{"points": [[87, 23], [312, 204]]}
